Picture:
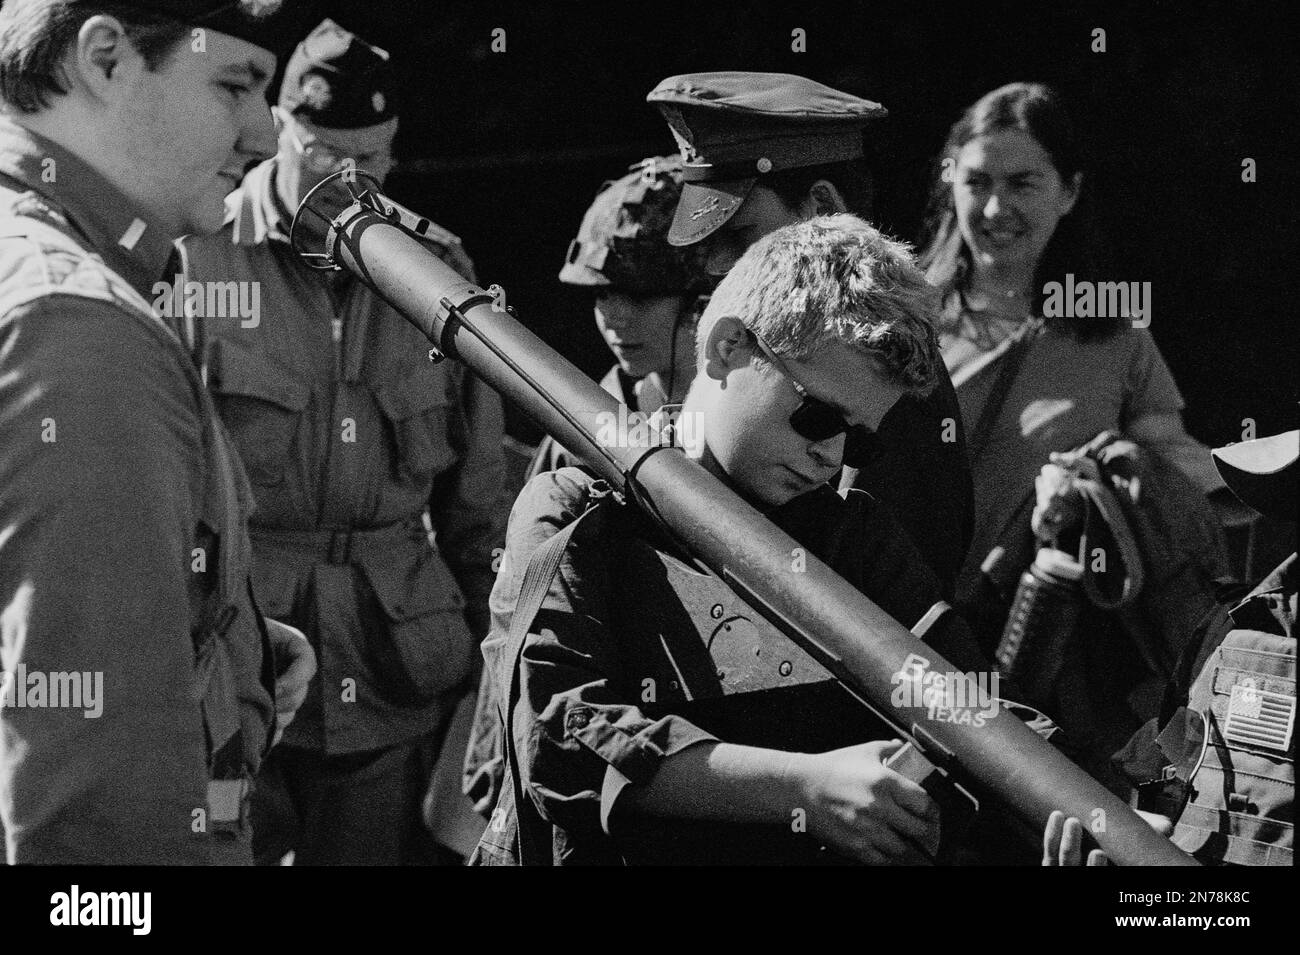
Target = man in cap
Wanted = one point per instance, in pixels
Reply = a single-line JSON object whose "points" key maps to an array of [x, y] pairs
{"points": [[645, 291], [1217, 766], [139, 689], [352, 438], [763, 150]]}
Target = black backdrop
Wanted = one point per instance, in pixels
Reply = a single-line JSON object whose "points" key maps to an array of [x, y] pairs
{"points": [[507, 148]]}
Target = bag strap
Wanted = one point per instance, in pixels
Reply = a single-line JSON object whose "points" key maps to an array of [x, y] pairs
{"points": [[1008, 370], [534, 831], [1101, 507]]}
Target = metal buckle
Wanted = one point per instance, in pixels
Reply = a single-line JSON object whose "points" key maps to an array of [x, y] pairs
{"points": [[229, 806]]}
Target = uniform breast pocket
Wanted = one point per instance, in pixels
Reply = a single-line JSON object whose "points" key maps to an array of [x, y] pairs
{"points": [[417, 410], [261, 407]]}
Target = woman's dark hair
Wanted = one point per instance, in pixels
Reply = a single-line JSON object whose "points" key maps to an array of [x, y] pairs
{"points": [[35, 36], [1075, 247]]}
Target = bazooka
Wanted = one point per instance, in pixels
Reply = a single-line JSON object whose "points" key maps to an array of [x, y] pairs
{"points": [[832, 621]]}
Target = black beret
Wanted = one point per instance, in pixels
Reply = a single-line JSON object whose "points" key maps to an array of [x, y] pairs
{"points": [[338, 80], [261, 22]]}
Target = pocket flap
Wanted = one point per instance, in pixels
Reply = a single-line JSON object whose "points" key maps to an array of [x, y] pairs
{"points": [[237, 371], [412, 394], [406, 591]]}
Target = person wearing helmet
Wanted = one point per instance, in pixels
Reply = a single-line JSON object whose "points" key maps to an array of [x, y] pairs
{"points": [[645, 290]]}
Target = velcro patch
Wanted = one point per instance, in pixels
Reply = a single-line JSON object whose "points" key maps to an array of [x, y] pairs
{"points": [[1259, 717]]}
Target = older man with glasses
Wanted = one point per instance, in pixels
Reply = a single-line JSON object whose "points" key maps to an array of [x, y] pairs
{"points": [[356, 446]]}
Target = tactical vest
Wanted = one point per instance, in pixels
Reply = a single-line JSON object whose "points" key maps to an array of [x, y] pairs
{"points": [[221, 603], [1231, 748]]}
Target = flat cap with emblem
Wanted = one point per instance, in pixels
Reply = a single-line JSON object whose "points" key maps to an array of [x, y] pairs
{"points": [[621, 242], [337, 80], [734, 128]]}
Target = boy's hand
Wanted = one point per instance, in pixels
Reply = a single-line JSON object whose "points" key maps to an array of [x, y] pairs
{"points": [[865, 810]]}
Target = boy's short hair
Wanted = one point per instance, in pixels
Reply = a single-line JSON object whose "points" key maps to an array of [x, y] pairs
{"points": [[35, 36], [834, 278]]}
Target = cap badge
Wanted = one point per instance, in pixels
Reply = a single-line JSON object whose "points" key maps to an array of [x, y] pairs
{"points": [[316, 91], [378, 101], [764, 164], [260, 8]]}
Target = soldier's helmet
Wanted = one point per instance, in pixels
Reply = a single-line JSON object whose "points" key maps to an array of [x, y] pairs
{"points": [[623, 240]]}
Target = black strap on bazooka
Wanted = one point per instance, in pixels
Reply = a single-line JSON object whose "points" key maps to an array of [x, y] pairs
{"points": [[535, 846]]}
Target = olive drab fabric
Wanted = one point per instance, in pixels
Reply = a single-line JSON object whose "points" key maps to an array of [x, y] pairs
{"points": [[123, 543], [350, 434], [615, 674], [1241, 790]]}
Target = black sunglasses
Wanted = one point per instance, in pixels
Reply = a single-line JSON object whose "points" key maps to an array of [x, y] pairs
{"points": [[814, 419]]}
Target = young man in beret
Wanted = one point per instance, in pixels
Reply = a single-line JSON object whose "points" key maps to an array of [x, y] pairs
{"points": [[763, 150], [123, 540], [352, 439]]}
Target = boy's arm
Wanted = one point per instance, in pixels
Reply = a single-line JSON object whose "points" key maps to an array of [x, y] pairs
{"points": [[571, 721], [850, 799]]}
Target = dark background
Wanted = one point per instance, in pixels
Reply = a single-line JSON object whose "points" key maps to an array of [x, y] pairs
{"points": [[507, 149]]}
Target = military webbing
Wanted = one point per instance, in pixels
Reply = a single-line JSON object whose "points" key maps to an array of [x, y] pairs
{"points": [[534, 832]]}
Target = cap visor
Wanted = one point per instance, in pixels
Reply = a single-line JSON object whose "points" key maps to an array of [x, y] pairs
{"points": [[1262, 473], [704, 207], [1261, 456]]}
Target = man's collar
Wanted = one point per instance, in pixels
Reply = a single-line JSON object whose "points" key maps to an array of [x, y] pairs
{"points": [[254, 210], [130, 242]]}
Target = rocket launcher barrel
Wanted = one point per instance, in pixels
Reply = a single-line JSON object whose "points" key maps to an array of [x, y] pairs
{"points": [[861, 645]]}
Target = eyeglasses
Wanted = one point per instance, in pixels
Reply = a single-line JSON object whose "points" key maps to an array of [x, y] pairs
{"points": [[814, 419], [319, 157]]}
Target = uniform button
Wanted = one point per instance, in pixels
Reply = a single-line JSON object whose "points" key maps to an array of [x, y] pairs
{"points": [[578, 719]]}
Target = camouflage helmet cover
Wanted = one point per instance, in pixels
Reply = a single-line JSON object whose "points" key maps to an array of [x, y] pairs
{"points": [[623, 239]]}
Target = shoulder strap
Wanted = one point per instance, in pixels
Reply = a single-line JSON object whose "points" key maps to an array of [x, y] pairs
{"points": [[534, 832], [1008, 370]]}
